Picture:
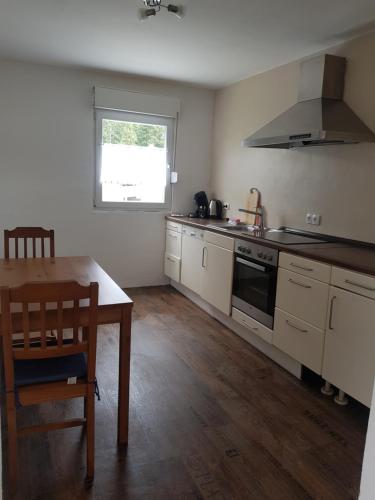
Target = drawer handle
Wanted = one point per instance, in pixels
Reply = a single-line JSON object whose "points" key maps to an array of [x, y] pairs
{"points": [[251, 327], [369, 288], [301, 267], [204, 266], [331, 312], [170, 260], [299, 284], [192, 233], [296, 327], [172, 236]]}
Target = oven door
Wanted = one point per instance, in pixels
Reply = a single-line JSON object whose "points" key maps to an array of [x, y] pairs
{"points": [[254, 289]]}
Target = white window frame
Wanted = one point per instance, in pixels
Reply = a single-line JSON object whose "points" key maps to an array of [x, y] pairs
{"points": [[170, 123]]}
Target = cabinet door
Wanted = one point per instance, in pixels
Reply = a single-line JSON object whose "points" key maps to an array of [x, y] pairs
{"points": [[217, 277], [172, 266], [349, 350], [173, 243], [191, 262], [302, 297], [299, 339]]}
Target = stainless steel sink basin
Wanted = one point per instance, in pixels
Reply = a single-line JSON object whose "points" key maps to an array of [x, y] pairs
{"points": [[231, 227]]}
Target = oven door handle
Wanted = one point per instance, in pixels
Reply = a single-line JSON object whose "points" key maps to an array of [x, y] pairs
{"points": [[250, 264]]}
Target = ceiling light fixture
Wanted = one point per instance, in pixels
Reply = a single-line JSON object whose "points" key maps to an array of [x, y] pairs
{"points": [[152, 7]]}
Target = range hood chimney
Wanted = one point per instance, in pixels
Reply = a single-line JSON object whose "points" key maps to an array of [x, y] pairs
{"points": [[320, 117]]}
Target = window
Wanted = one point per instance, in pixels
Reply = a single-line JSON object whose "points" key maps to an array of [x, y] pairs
{"points": [[134, 155]]}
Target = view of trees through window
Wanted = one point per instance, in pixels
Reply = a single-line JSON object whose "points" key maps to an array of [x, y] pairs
{"points": [[133, 134], [133, 161]]}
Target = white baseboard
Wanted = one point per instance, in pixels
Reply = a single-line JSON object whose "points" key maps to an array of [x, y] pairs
{"points": [[282, 359]]}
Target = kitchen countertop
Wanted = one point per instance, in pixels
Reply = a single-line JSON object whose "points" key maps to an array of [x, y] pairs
{"points": [[341, 254]]}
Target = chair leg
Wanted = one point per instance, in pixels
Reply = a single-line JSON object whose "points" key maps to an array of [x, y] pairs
{"points": [[90, 433], [12, 440]]}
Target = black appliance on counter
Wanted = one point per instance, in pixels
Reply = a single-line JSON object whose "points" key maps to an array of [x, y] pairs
{"points": [[254, 281], [201, 201]]}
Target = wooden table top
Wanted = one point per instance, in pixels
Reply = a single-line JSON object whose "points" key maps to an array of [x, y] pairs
{"points": [[15, 272]]}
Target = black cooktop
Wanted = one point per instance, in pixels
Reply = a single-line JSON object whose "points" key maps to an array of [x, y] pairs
{"points": [[288, 238]]}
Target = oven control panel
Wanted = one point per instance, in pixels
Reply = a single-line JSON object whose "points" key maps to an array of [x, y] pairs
{"points": [[257, 252]]}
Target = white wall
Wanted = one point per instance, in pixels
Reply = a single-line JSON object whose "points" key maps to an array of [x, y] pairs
{"points": [[47, 165], [335, 181]]}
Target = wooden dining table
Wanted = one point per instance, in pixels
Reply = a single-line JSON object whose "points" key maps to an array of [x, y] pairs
{"points": [[114, 306]]}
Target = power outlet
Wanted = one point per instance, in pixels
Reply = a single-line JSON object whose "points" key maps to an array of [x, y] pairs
{"points": [[226, 205], [314, 219]]}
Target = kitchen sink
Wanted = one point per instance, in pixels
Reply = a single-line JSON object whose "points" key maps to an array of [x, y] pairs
{"points": [[232, 227]]}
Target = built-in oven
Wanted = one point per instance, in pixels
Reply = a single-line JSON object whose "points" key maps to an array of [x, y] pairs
{"points": [[254, 281]]}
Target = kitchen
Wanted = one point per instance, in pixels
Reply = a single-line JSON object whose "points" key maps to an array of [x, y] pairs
{"points": [[251, 367]]}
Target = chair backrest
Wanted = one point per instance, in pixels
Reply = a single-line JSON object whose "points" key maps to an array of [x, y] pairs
{"points": [[37, 237], [35, 308]]}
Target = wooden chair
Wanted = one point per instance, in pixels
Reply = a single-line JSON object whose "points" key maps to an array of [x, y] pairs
{"points": [[36, 371], [23, 234]]}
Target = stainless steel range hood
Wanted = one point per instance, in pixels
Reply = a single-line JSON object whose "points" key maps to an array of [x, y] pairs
{"points": [[320, 117]]}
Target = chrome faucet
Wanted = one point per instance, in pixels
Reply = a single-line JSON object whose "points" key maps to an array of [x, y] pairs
{"points": [[259, 211]]}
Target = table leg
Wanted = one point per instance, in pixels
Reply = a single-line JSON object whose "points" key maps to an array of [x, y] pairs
{"points": [[124, 375]]}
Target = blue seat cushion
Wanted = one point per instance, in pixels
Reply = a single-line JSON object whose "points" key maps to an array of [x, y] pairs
{"points": [[39, 371]]}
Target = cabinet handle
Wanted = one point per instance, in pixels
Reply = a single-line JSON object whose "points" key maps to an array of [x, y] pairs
{"points": [[331, 313], [301, 267], [248, 326], [172, 236], [203, 260], [170, 260], [359, 285], [299, 284], [296, 327], [192, 233]]}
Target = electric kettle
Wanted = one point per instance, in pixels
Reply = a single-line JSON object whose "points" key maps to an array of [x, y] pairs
{"points": [[215, 209]]}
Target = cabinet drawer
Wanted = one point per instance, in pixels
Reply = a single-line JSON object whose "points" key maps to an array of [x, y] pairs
{"points": [[219, 240], [306, 267], [173, 243], [257, 328], [172, 266], [174, 226], [302, 297], [362, 284], [192, 231], [299, 340]]}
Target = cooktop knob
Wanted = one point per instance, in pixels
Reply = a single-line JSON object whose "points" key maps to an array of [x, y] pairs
{"points": [[260, 255], [270, 258]]}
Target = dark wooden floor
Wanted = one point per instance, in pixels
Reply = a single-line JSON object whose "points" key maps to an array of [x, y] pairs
{"points": [[210, 418]]}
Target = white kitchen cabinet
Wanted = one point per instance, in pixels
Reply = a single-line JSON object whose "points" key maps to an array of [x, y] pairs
{"points": [[172, 257], [217, 276], [173, 243], [307, 267], [251, 324], [301, 309], [192, 258], [349, 352], [172, 267], [299, 339], [303, 297]]}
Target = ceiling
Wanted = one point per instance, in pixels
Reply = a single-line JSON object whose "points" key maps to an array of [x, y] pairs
{"points": [[217, 43]]}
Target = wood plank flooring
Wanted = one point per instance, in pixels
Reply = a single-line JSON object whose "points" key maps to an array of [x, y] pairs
{"points": [[211, 418]]}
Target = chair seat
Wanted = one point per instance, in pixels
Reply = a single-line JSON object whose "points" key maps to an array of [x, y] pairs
{"points": [[39, 371]]}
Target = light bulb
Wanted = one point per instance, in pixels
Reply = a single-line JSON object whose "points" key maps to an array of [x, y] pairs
{"points": [[144, 14], [177, 10]]}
